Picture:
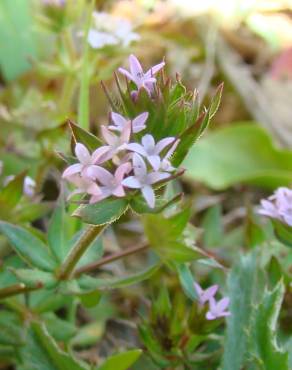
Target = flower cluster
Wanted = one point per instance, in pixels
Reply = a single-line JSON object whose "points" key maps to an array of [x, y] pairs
{"points": [[110, 30], [278, 206], [123, 162], [216, 309]]}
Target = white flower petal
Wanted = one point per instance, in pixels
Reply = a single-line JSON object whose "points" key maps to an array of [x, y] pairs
{"points": [[82, 153], [148, 142], [72, 170], [148, 194], [131, 182]]}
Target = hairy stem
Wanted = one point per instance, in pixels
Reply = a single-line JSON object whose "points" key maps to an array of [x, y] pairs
{"points": [[108, 259], [78, 250]]}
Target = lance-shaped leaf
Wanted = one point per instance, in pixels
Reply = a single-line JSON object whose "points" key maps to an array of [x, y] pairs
{"points": [[264, 349], [187, 281], [121, 361], [30, 248], [103, 212], [41, 352], [32, 278], [58, 237], [244, 288], [82, 136], [167, 237], [88, 283]]}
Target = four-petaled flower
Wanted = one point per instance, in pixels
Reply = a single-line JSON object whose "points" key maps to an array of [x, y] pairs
{"points": [[278, 206], [150, 150], [86, 160], [205, 295], [111, 184], [143, 180], [138, 123], [142, 80], [218, 309], [115, 143]]}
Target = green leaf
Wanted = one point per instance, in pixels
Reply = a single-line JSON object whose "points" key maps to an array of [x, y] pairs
{"points": [[231, 155], [82, 136], [216, 101], [166, 237], [121, 361], [187, 281], [213, 226], [60, 329], [11, 194], [11, 329], [88, 283], [244, 288], [58, 231], [264, 348], [17, 46], [283, 233], [139, 205], [30, 248], [104, 212], [32, 278], [41, 352]]}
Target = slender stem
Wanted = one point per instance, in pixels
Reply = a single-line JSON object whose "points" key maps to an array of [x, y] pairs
{"points": [[108, 259], [78, 250], [17, 289], [83, 104]]}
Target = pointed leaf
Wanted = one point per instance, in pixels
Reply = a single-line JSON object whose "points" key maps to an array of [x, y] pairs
{"points": [[30, 248], [121, 361]]}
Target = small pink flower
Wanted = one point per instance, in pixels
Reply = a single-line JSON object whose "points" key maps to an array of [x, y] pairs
{"points": [[143, 180], [150, 150], [205, 295], [141, 79], [278, 206], [86, 160], [111, 184], [218, 309], [138, 123], [84, 185], [116, 143]]}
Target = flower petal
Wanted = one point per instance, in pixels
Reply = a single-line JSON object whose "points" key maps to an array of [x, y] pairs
{"points": [[72, 170], [163, 144], [131, 182], [210, 292], [118, 119], [99, 154], [139, 121], [139, 166], [210, 316], [119, 191], [108, 136], [126, 73], [82, 153], [126, 132], [148, 142], [154, 177], [154, 160], [138, 148], [100, 174], [122, 170], [223, 304], [135, 67], [153, 70], [148, 194]]}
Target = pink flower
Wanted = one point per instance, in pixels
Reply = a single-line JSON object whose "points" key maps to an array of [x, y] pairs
{"points": [[138, 123], [141, 79], [150, 150], [115, 143], [86, 160], [217, 309], [84, 185], [111, 184], [278, 206], [205, 295], [143, 180]]}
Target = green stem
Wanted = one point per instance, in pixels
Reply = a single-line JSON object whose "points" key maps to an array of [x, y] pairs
{"points": [[69, 87], [83, 104], [78, 250]]}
